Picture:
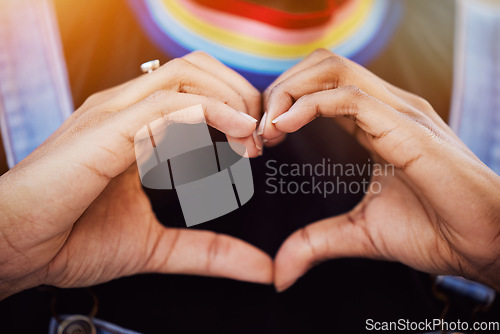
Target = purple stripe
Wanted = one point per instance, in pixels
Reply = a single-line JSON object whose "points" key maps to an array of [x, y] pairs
{"points": [[260, 80], [376, 45]]}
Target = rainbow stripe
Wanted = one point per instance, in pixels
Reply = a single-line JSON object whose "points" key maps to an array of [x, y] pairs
{"points": [[359, 29]]}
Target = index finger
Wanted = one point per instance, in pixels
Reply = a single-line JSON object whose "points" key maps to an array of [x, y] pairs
{"points": [[250, 95], [329, 73], [311, 59]]}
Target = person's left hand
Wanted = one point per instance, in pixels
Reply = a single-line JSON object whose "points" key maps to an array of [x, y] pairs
{"points": [[73, 213], [438, 212]]}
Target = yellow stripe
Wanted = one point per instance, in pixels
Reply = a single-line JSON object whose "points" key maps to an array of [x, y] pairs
{"points": [[259, 47]]}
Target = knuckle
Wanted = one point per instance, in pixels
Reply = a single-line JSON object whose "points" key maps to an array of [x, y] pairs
{"points": [[281, 91], [418, 102], [267, 92], [321, 52], [211, 103], [305, 100], [336, 69], [355, 92], [199, 54], [93, 100], [182, 85], [423, 104], [354, 95], [240, 103], [254, 94], [337, 64], [308, 102], [212, 100], [305, 236], [175, 72], [177, 63], [277, 89], [335, 60], [216, 249]]}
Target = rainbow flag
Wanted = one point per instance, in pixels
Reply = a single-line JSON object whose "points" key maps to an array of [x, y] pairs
{"points": [[260, 42]]}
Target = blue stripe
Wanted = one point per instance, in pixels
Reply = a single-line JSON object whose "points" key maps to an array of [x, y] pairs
{"points": [[365, 44], [367, 33], [190, 41], [377, 44]]}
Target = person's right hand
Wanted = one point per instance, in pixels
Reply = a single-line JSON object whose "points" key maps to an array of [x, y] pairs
{"points": [[73, 213], [436, 210]]}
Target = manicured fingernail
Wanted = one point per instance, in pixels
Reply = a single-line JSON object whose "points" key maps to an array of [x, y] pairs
{"points": [[277, 119], [265, 140], [262, 124], [248, 117], [258, 140]]}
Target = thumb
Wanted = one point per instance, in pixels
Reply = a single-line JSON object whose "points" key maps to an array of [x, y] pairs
{"points": [[340, 236], [196, 252]]}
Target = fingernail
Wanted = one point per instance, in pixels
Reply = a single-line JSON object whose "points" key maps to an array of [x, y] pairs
{"points": [[258, 140], [262, 124], [248, 117], [260, 153], [277, 119], [265, 140]]}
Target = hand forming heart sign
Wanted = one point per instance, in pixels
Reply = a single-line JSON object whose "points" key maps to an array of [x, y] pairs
{"points": [[439, 213]]}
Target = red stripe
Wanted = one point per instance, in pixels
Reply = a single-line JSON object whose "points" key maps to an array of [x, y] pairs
{"points": [[272, 16]]}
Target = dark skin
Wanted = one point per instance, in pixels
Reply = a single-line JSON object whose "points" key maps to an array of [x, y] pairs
{"points": [[432, 213], [91, 221], [285, 5], [44, 235]]}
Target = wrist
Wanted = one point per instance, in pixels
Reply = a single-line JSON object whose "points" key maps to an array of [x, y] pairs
{"points": [[9, 288]]}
